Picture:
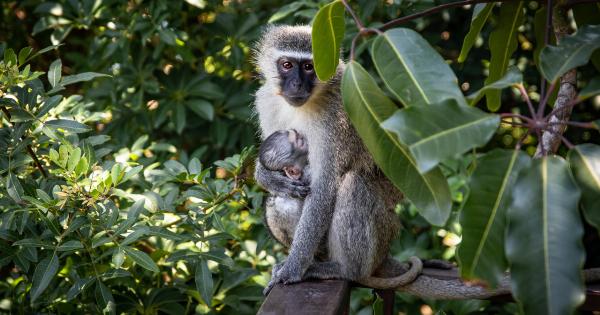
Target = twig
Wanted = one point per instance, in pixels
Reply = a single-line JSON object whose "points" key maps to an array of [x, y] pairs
{"points": [[547, 31], [542, 104], [435, 9], [526, 98], [357, 20], [511, 115], [29, 149]]}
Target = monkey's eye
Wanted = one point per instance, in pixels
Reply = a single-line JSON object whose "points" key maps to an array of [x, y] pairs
{"points": [[308, 67], [287, 65]]}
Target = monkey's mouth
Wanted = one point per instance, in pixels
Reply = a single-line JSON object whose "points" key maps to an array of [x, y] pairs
{"points": [[295, 100]]}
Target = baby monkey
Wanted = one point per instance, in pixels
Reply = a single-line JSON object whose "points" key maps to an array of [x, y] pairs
{"points": [[285, 151]]}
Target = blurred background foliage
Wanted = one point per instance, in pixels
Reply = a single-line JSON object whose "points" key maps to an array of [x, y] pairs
{"points": [[169, 127]]}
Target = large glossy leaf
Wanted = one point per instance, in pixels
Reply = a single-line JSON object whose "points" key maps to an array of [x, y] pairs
{"points": [[441, 131], [587, 14], [368, 107], [481, 12], [204, 281], [503, 42], [483, 216], [543, 242], [585, 165], [572, 51], [412, 70], [44, 273], [512, 77], [327, 35]]}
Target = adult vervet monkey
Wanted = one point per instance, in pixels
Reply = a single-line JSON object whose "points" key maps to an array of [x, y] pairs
{"points": [[346, 186]]}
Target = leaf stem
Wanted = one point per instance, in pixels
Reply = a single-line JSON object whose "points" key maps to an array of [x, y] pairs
{"points": [[29, 149], [526, 98]]}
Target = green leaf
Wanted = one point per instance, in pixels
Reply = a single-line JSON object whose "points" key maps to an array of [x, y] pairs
{"points": [[10, 57], [23, 54], [284, 11], [591, 89], [81, 77], [202, 108], [68, 125], [197, 3], [105, 298], [481, 12], [586, 14], [539, 27], [79, 286], [70, 245], [74, 157], [513, 76], [503, 43], [14, 188], [327, 35], [585, 166], [204, 281], [543, 241], [441, 131], [118, 258], [367, 107], [194, 166], [55, 72], [141, 259], [483, 216], [218, 257], [572, 51], [412, 70], [49, 103], [44, 273]]}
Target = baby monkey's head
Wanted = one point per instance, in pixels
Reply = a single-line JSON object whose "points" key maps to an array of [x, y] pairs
{"points": [[285, 150]]}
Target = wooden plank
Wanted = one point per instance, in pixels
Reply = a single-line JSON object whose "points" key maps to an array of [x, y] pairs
{"points": [[327, 297]]}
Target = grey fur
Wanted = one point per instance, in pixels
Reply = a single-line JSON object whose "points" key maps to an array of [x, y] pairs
{"points": [[350, 202]]}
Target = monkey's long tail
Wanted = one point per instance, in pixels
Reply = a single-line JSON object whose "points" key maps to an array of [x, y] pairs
{"points": [[405, 278], [430, 287]]}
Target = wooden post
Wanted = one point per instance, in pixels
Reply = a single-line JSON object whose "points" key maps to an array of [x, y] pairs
{"points": [[326, 297]]}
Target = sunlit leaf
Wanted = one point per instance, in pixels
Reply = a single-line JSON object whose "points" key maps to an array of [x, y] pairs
{"points": [[588, 14], [55, 72], [327, 35], [141, 258]]}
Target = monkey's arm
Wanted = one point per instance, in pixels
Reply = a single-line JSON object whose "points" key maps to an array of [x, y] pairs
{"points": [[315, 220], [276, 182]]}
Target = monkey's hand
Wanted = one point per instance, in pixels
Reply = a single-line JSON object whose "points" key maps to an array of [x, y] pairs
{"points": [[277, 182], [284, 272]]}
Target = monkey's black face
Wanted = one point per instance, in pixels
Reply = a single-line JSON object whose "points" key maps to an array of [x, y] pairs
{"points": [[297, 79]]}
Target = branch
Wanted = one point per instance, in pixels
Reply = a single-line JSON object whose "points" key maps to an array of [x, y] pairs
{"points": [[404, 19], [551, 138], [29, 149]]}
